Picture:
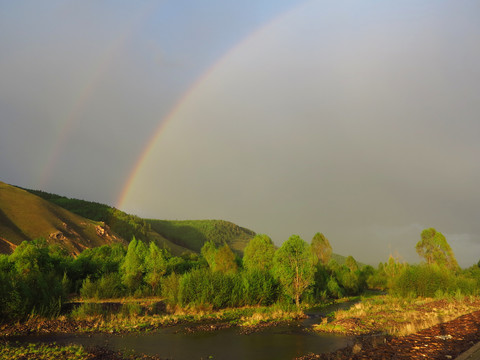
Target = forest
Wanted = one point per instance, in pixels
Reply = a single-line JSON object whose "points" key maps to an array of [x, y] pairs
{"points": [[38, 278]]}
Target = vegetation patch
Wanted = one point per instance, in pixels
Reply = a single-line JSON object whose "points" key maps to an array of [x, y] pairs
{"points": [[42, 351], [397, 316]]}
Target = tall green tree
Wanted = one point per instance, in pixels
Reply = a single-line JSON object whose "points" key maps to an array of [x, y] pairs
{"points": [[258, 254], [321, 248], [294, 267], [208, 251], [433, 247], [133, 266], [155, 266], [351, 263]]}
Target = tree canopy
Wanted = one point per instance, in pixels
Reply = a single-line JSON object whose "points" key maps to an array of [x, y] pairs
{"points": [[293, 266], [433, 247], [258, 254], [321, 248]]}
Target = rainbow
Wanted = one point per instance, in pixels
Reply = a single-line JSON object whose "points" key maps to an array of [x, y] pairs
{"points": [[168, 119], [86, 93]]}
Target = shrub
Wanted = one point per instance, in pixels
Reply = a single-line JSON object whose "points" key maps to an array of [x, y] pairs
{"points": [[430, 281]]}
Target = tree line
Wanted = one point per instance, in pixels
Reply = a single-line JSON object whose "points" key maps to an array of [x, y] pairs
{"points": [[38, 278]]}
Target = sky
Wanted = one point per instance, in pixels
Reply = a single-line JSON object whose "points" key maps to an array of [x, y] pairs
{"points": [[357, 119]]}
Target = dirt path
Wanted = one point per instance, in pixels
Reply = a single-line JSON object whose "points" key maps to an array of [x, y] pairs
{"points": [[443, 341]]}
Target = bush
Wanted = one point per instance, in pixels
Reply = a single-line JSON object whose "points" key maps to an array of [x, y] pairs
{"points": [[170, 288], [203, 287], [107, 287], [260, 287], [430, 281]]}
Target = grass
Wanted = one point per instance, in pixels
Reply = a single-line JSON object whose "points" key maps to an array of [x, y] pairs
{"points": [[24, 216], [134, 321], [397, 316], [52, 351], [134, 317], [42, 351]]}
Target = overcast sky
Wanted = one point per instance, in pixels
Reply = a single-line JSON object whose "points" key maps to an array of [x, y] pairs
{"points": [[358, 119]]}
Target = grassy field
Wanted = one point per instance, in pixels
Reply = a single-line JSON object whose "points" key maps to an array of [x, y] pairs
{"points": [[396, 316], [24, 216]]}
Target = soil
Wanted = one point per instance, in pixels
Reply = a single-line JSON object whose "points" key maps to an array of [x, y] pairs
{"points": [[99, 353], [443, 341]]}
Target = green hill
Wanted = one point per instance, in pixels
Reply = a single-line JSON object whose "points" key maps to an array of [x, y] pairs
{"points": [[25, 216], [178, 236], [192, 234], [340, 259], [124, 224]]}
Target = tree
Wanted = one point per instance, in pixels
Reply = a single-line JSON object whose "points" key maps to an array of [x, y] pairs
{"points": [[208, 251], [433, 247], [225, 260], [321, 248], [133, 265], [258, 254], [293, 266], [351, 263], [155, 266]]}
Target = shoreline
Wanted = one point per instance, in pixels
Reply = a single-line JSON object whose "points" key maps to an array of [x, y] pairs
{"points": [[443, 341]]}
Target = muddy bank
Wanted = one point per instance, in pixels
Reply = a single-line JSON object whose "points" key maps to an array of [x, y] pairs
{"points": [[442, 341]]}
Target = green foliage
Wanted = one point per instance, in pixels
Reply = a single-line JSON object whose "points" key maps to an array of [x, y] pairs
{"points": [[258, 254], [32, 282], [133, 266], [321, 248], [204, 287], [170, 287], [225, 260], [193, 234], [156, 267], [107, 287], [428, 280], [260, 287], [334, 289], [208, 251], [433, 247], [293, 266], [351, 263]]}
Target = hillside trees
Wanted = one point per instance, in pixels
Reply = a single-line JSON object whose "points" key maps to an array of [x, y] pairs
{"points": [[293, 266]]}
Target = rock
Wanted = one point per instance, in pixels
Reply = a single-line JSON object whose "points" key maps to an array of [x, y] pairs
{"points": [[356, 348]]}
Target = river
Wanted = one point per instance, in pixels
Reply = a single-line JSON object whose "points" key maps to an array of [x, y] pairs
{"points": [[280, 342]]}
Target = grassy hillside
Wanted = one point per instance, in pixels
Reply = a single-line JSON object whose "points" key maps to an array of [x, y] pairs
{"points": [[24, 216], [192, 234], [124, 224], [179, 236]]}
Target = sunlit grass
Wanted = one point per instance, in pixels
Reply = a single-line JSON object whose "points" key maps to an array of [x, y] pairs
{"points": [[397, 316], [10, 351]]}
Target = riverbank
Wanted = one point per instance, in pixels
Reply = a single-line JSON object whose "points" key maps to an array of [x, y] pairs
{"points": [[388, 315], [9, 350], [249, 318], [446, 340]]}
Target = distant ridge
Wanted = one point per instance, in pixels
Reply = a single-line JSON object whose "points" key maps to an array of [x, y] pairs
{"points": [[79, 224], [180, 236]]}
